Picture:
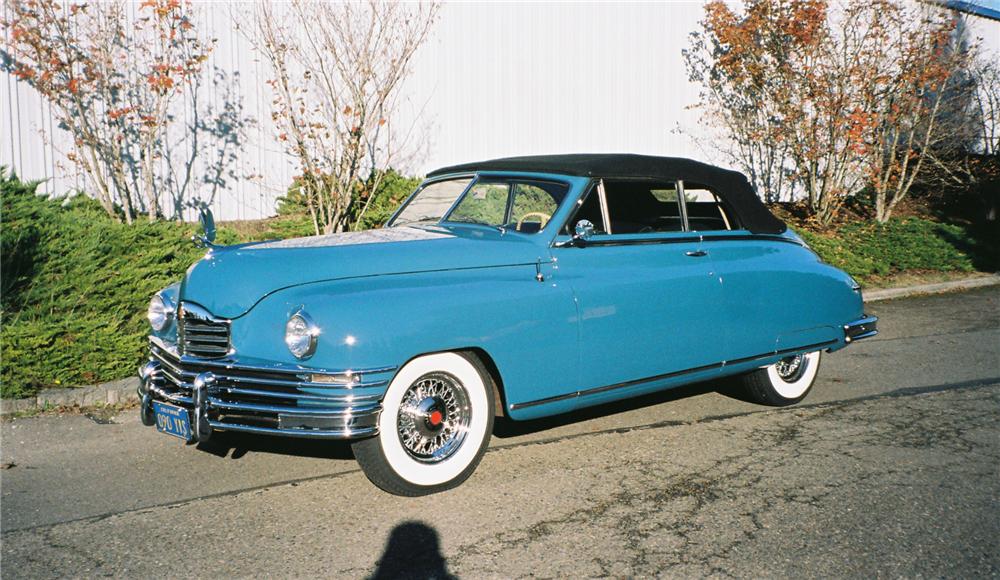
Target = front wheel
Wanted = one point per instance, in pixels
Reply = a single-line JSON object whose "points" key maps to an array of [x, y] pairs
{"points": [[786, 382], [435, 425]]}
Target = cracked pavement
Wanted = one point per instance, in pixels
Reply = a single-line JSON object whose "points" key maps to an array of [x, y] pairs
{"points": [[890, 467]]}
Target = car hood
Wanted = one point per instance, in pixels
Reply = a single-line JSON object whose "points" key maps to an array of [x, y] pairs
{"points": [[229, 281]]}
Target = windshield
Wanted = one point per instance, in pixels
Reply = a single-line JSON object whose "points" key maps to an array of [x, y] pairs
{"points": [[429, 203], [521, 205]]}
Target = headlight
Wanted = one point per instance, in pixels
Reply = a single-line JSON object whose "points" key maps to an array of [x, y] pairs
{"points": [[160, 312], [300, 335]]}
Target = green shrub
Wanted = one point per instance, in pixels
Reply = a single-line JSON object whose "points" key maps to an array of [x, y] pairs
{"points": [[76, 283], [79, 282], [869, 250]]}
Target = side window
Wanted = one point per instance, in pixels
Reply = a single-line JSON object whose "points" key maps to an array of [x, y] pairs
{"points": [[705, 210], [637, 207], [589, 210], [534, 205], [485, 203]]}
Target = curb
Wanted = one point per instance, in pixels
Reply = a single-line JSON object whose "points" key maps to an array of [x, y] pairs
{"points": [[940, 288], [113, 393], [124, 390]]}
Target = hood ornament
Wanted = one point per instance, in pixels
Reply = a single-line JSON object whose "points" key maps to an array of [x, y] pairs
{"points": [[205, 239]]}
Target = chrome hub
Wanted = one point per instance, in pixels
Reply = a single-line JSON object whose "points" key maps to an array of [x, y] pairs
{"points": [[790, 369], [433, 417]]}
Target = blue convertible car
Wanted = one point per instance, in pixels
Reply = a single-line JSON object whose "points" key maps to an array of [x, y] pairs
{"points": [[520, 287]]}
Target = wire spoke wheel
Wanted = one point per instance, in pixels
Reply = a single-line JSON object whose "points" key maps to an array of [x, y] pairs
{"points": [[435, 425], [434, 417], [792, 368]]}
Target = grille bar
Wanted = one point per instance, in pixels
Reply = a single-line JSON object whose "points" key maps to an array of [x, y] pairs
{"points": [[201, 334]]}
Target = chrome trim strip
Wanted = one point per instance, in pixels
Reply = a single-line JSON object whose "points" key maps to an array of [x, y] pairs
{"points": [[682, 204], [636, 382], [216, 403], [233, 364], [299, 396], [186, 378], [602, 197], [174, 398], [693, 238], [302, 433]]}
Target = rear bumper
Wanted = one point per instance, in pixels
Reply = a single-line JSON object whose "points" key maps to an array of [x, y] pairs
{"points": [[864, 327], [266, 398]]}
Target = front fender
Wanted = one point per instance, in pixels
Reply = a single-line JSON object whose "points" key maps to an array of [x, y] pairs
{"points": [[527, 327]]}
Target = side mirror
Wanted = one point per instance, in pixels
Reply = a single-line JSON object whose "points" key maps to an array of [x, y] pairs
{"points": [[583, 230], [207, 222], [581, 233]]}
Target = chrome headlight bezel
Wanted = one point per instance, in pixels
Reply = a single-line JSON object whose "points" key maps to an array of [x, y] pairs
{"points": [[301, 334], [160, 312]]}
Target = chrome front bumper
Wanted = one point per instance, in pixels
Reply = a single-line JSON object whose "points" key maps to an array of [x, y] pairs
{"points": [[865, 327], [268, 398]]}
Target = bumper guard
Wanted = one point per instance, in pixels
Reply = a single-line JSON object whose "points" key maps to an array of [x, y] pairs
{"points": [[865, 327]]}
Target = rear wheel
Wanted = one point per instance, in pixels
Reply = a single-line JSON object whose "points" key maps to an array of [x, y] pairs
{"points": [[435, 425], [786, 382]]}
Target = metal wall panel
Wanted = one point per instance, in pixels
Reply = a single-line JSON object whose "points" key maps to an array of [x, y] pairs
{"points": [[493, 80]]}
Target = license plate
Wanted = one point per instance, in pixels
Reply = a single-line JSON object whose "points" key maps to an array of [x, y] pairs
{"points": [[172, 420]]}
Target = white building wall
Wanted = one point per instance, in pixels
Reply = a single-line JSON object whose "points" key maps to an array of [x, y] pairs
{"points": [[493, 80]]}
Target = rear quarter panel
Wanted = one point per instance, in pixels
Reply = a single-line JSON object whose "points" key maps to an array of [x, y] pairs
{"points": [[779, 294]]}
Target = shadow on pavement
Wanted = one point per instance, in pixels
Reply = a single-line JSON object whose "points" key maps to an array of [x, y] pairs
{"points": [[221, 444], [412, 551]]}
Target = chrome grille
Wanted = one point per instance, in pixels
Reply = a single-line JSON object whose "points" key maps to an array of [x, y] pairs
{"points": [[270, 398], [200, 334]]}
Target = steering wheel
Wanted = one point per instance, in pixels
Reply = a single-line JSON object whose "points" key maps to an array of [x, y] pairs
{"points": [[545, 218]]}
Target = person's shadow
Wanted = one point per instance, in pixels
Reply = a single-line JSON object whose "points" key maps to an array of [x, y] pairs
{"points": [[412, 551]]}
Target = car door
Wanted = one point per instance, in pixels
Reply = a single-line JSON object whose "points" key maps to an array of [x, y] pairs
{"points": [[648, 301]]}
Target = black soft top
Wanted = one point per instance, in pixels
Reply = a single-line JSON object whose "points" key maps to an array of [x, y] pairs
{"points": [[731, 186]]}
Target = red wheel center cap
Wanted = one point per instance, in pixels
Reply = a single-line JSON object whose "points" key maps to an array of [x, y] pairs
{"points": [[436, 418]]}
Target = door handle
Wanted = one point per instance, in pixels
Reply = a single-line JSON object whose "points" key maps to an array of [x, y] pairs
{"points": [[696, 253]]}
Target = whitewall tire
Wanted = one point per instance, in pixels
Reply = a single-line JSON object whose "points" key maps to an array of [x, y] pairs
{"points": [[786, 382], [435, 425]]}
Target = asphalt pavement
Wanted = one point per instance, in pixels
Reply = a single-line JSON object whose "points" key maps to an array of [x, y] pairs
{"points": [[890, 467]]}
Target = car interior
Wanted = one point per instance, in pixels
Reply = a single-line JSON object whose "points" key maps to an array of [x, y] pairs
{"points": [[637, 207]]}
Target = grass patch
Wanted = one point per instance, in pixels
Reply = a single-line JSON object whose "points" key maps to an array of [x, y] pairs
{"points": [[873, 252]]}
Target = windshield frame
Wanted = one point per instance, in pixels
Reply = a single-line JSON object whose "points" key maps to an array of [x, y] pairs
{"points": [[510, 179]]}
